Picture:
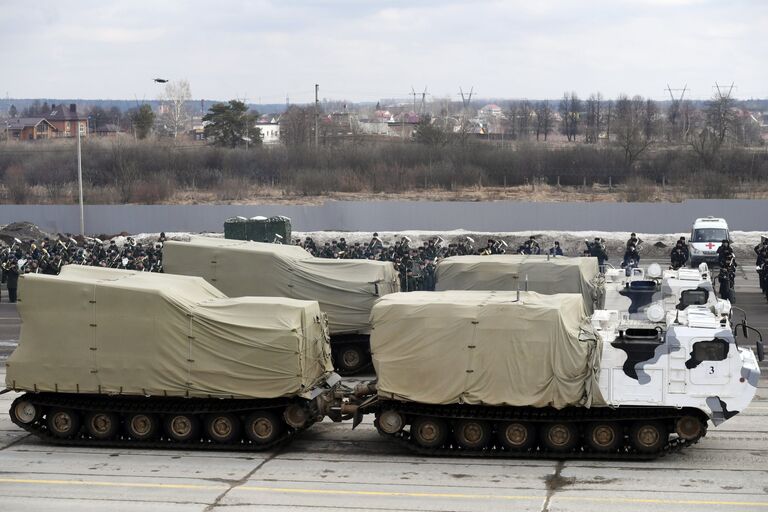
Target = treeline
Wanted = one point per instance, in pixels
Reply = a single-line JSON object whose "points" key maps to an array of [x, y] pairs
{"points": [[150, 172]]}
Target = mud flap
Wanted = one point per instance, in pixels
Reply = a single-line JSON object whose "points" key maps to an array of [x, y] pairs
{"points": [[369, 405]]}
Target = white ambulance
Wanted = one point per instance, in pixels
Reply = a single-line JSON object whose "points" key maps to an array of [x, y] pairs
{"points": [[706, 236]]}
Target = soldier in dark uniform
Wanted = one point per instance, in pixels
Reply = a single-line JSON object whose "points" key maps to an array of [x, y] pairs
{"points": [[530, 246], [375, 244], [556, 250], [597, 250], [724, 252], [310, 246], [327, 252], [761, 251], [678, 256], [684, 245], [12, 279], [726, 284], [631, 259], [634, 240]]}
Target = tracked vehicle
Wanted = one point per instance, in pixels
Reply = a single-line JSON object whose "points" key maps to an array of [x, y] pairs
{"points": [[529, 375], [536, 273], [345, 289], [120, 358]]}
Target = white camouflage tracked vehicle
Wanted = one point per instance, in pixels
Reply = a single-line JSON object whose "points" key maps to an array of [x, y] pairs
{"points": [[505, 374]]}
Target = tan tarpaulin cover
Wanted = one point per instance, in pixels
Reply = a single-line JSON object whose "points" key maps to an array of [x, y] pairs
{"points": [[345, 289], [485, 348], [92, 330], [508, 272]]}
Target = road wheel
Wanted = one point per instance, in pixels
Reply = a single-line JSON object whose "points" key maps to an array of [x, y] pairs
{"points": [[182, 427], [263, 427], [222, 428], [560, 436], [142, 427], [472, 434], [63, 423], [351, 358], [604, 436], [648, 436], [25, 412], [689, 427], [102, 425], [390, 422], [429, 432], [517, 435]]}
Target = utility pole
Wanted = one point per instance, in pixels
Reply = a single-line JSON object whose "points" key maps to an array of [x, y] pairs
{"points": [[317, 117], [675, 107], [414, 93], [80, 180]]}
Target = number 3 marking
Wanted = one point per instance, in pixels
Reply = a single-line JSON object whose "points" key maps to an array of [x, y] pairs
{"points": [[711, 370]]}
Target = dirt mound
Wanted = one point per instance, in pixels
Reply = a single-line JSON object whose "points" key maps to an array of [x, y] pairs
{"points": [[24, 231]]}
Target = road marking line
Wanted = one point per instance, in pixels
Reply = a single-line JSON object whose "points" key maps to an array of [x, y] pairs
{"points": [[86, 483], [394, 494]]}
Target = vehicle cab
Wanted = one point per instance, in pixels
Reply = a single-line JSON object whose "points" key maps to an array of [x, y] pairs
{"points": [[668, 341], [706, 235]]}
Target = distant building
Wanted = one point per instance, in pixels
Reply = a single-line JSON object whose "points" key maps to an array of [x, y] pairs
{"points": [[270, 129], [107, 130], [377, 124], [404, 124], [66, 120], [30, 128], [490, 110]]}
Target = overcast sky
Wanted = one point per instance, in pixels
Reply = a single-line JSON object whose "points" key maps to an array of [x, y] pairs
{"points": [[356, 50]]}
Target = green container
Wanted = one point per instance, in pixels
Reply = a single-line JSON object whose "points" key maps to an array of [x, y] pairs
{"points": [[236, 228], [259, 229], [277, 226]]}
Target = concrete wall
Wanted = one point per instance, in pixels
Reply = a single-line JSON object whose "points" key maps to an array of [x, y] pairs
{"points": [[743, 215]]}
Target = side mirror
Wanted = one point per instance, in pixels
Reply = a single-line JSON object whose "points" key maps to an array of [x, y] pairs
{"points": [[744, 330], [760, 349]]}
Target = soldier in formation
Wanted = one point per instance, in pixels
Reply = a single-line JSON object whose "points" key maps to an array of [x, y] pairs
{"points": [[596, 249], [631, 258], [761, 263], [47, 256], [530, 246], [679, 255]]}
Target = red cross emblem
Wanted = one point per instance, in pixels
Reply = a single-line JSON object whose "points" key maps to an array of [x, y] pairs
{"points": [[710, 246]]}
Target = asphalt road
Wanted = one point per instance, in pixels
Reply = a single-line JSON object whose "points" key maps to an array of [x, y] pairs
{"points": [[331, 467]]}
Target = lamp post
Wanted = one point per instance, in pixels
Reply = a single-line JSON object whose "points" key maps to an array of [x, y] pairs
{"points": [[80, 180]]}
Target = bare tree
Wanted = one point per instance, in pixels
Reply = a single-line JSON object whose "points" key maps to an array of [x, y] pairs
{"points": [[652, 119], [721, 116], [175, 116], [570, 111], [544, 119], [296, 126], [593, 123], [716, 128], [124, 171], [521, 117], [629, 128]]}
